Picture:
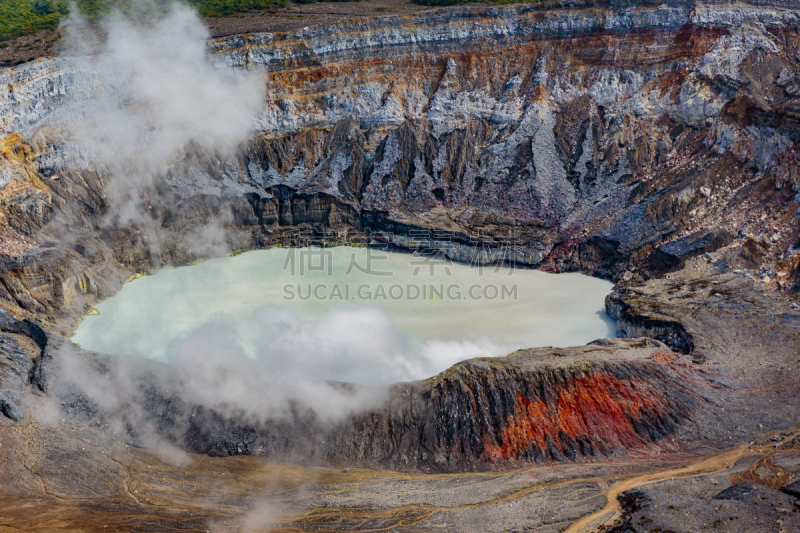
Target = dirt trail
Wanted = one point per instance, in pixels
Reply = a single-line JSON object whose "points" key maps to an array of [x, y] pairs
{"points": [[707, 465], [168, 509]]}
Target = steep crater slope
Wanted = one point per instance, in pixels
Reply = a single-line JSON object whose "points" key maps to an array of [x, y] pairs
{"points": [[539, 405], [588, 138], [621, 141]]}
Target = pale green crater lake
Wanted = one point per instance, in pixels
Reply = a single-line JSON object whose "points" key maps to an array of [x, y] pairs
{"points": [[350, 314]]}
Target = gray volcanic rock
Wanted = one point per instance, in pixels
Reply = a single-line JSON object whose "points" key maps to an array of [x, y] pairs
{"points": [[526, 143], [22, 344], [672, 256], [793, 489], [655, 144], [670, 506], [740, 491], [538, 405]]}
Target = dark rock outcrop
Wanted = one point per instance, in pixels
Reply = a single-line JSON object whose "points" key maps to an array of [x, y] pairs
{"points": [[672, 256], [539, 405], [639, 316]]}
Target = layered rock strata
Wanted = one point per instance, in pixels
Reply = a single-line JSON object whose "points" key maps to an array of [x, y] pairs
{"points": [[540, 405], [621, 141], [592, 137]]}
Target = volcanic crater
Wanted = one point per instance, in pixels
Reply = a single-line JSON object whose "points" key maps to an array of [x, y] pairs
{"points": [[655, 145]]}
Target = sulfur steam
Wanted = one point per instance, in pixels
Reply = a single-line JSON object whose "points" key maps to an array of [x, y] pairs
{"points": [[155, 91]]}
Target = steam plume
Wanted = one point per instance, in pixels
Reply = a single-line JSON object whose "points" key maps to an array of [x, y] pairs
{"points": [[156, 89]]}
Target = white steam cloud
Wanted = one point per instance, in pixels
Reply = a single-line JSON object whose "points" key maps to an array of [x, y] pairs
{"points": [[266, 366], [155, 90], [353, 345], [156, 96]]}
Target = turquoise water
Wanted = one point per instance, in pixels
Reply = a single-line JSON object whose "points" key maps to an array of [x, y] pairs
{"points": [[350, 314]]}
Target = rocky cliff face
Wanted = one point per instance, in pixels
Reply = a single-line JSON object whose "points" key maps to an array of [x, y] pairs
{"points": [[589, 135], [625, 141], [541, 405], [538, 406]]}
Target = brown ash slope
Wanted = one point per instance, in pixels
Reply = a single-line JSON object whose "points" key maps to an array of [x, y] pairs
{"points": [[534, 406], [655, 144]]}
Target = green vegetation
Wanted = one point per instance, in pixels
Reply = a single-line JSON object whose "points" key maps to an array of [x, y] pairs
{"points": [[23, 17], [226, 8], [460, 2], [315, 1]]}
